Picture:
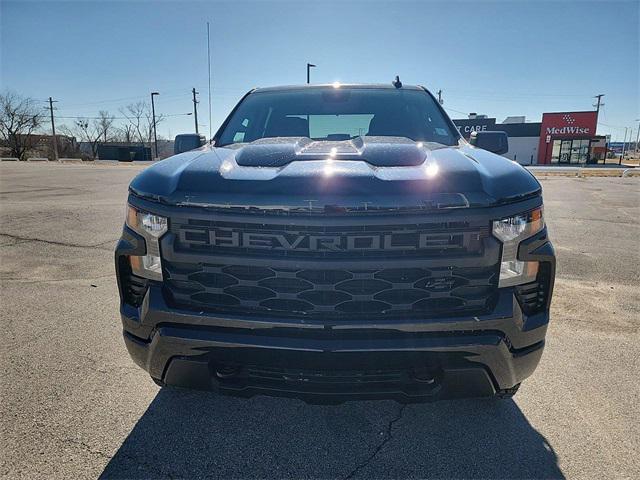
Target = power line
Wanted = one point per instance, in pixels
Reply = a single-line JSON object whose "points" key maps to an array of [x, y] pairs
{"points": [[123, 99], [84, 117], [454, 110], [186, 93], [472, 93], [617, 127]]}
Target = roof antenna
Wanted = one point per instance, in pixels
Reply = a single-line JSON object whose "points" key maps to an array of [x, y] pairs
{"points": [[397, 83]]}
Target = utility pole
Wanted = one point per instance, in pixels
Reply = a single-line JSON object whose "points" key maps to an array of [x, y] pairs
{"points": [[309, 67], [53, 130], [637, 136], [440, 100], [598, 105], [153, 114], [623, 144], [195, 107]]}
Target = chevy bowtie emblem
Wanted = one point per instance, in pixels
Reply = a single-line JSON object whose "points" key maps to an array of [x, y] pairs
{"points": [[441, 283]]}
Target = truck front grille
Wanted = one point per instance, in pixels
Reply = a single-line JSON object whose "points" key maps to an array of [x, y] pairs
{"points": [[331, 293], [339, 267]]}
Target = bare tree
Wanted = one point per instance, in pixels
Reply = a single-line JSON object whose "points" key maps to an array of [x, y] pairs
{"points": [[125, 133], [19, 118], [140, 119], [134, 113], [92, 132], [104, 123]]}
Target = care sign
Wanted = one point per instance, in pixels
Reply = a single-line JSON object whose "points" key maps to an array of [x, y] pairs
{"points": [[467, 126]]}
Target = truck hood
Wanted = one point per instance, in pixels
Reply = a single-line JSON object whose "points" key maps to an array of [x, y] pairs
{"points": [[298, 174]]}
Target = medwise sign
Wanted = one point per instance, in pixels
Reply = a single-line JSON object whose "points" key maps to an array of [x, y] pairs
{"points": [[569, 124], [564, 125]]}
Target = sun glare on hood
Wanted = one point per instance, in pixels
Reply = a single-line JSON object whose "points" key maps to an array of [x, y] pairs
{"points": [[226, 166], [431, 170]]}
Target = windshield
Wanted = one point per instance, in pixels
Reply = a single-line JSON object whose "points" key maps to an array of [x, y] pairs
{"points": [[335, 114]]}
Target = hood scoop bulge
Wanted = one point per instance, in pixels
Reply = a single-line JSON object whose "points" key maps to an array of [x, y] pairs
{"points": [[377, 151]]}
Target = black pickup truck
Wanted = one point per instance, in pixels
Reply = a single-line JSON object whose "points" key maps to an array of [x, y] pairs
{"points": [[337, 242]]}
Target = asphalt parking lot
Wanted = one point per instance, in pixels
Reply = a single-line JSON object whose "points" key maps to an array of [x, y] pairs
{"points": [[72, 403]]}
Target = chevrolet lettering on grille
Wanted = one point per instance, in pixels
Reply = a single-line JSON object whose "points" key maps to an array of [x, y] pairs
{"points": [[300, 241]]}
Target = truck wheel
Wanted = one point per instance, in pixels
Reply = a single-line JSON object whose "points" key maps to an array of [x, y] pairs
{"points": [[507, 392]]}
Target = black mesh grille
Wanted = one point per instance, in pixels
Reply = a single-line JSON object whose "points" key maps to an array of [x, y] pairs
{"points": [[331, 293], [305, 268]]}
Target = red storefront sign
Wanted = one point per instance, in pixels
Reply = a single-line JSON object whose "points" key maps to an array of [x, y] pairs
{"points": [[563, 125]]}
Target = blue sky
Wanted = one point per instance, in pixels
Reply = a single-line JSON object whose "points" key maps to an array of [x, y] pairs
{"points": [[498, 58]]}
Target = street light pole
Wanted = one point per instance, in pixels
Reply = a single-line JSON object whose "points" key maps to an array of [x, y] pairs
{"points": [[309, 67], [153, 114], [637, 136]]}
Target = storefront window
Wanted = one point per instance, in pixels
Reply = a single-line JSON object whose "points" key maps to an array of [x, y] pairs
{"points": [[555, 153], [565, 151], [570, 151], [579, 151]]}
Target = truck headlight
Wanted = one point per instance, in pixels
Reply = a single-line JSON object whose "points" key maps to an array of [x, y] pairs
{"points": [[511, 231], [151, 227]]}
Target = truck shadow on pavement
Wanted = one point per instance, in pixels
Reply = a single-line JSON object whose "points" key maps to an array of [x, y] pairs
{"points": [[187, 434]]}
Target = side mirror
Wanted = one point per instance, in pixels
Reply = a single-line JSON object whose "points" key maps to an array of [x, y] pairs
{"points": [[496, 142], [188, 141]]}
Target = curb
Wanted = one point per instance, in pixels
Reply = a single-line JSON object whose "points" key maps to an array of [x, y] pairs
{"points": [[582, 172]]}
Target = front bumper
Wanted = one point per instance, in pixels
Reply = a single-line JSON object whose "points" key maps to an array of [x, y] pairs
{"points": [[413, 361]]}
